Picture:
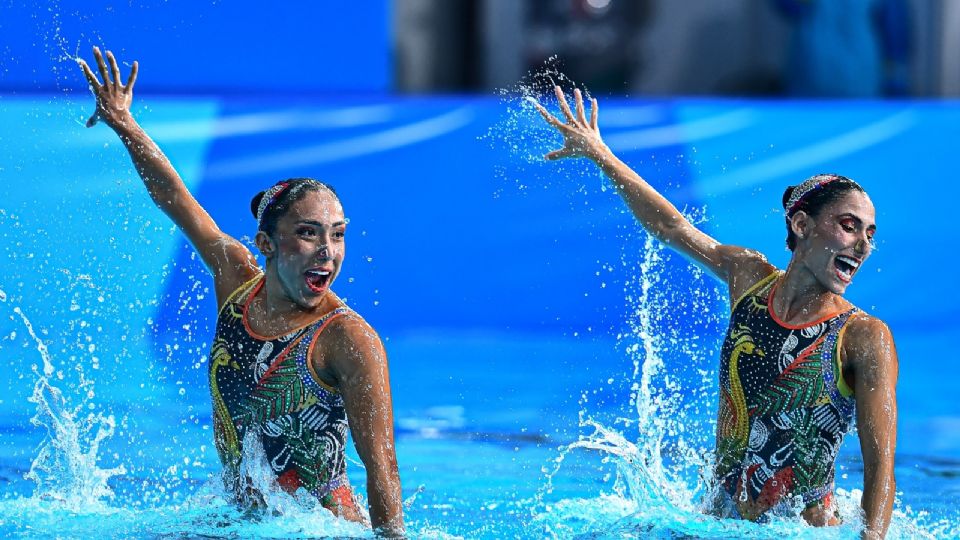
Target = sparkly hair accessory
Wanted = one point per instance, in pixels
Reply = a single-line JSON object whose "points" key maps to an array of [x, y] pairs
{"points": [[808, 186], [268, 197]]}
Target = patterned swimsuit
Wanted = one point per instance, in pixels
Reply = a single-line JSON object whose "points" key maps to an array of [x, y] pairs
{"points": [[784, 407], [265, 393]]}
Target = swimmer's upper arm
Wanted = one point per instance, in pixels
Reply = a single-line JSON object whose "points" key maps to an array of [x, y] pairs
{"points": [[358, 361], [740, 268], [230, 262], [659, 217], [870, 354], [737, 266], [744, 269]]}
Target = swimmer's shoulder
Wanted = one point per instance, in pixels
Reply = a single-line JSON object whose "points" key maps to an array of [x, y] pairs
{"points": [[346, 340], [868, 355], [865, 338], [351, 329]]}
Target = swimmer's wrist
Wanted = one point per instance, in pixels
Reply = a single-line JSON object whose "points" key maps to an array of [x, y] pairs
{"points": [[120, 120], [601, 155]]}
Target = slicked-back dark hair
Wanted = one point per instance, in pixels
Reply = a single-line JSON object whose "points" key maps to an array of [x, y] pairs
{"points": [[295, 190], [833, 188]]}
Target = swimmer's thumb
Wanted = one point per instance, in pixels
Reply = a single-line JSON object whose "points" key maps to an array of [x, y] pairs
{"points": [[92, 121]]}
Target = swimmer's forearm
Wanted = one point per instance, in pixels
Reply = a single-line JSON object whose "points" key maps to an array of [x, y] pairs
{"points": [[151, 163], [877, 502], [161, 179], [581, 138], [654, 212], [386, 506]]}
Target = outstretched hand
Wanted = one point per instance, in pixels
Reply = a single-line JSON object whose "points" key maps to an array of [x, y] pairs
{"points": [[580, 137], [113, 98]]}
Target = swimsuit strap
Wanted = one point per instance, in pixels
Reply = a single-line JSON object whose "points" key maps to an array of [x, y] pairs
{"points": [[757, 287], [304, 350], [241, 291]]}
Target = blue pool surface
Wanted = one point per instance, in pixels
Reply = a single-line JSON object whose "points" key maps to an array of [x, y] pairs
{"points": [[507, 291]]}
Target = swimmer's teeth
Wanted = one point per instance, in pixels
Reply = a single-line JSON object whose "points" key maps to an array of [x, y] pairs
{"points": [[317, 279], [846, 266], [852, 262]]}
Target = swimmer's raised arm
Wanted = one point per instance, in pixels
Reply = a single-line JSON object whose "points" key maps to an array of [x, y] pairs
{"points": [[227, 259], [870, 354], [581, 138], [359, 363]]}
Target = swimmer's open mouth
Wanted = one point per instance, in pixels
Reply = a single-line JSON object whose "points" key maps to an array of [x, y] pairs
{"points": [[317, 280], [846, 267]]}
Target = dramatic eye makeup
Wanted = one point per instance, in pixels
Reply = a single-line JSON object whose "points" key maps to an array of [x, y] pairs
{"points": [[851, 224]]}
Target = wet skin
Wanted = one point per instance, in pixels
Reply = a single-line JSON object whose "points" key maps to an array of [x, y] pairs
{"points": [[840, 234], [309, 240]]}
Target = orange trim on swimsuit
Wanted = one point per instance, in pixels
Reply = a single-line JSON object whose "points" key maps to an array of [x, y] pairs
{"points": [[788, 326]]}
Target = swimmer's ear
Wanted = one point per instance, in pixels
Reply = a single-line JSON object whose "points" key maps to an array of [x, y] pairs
{"points": [[265, 244], [800, 224]]}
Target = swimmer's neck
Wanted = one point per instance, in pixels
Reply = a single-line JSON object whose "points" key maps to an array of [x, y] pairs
{"points": [[799, 297]]}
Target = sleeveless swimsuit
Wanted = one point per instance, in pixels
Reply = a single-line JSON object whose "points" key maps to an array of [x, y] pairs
{"points": [[784, 406], [266, 395]]}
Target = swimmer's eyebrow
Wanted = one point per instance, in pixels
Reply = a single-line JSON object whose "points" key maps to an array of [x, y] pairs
{"points": [[321, 224]]}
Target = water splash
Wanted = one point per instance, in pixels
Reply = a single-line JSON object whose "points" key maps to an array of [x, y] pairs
{"points": [[522, 133], [660, 480], [65, 469], [67, 474]]}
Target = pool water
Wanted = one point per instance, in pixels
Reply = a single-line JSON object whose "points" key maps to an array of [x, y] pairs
{"points": [[555, 375]]}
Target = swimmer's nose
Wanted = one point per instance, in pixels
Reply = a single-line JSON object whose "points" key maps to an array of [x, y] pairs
{"points": [[861, 246]]}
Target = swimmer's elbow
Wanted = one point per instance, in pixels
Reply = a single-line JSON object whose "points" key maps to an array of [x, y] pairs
{"points": [[669, 231]]}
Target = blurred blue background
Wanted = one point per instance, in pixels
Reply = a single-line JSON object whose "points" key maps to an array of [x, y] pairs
{"points": [[202, 47]]}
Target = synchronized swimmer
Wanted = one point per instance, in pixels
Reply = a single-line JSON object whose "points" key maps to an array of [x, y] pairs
{"points": [[799, 361], [290, 364]]}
